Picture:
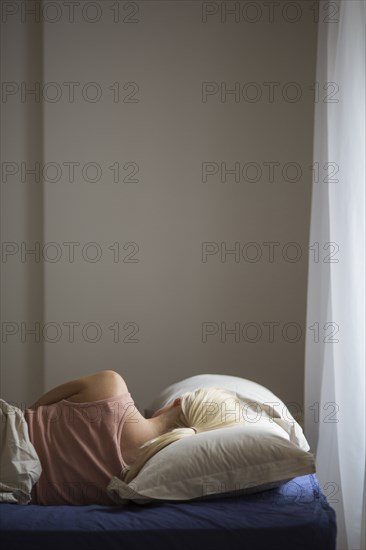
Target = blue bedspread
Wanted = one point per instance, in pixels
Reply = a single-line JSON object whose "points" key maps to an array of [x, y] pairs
{"points": [[293, 516]]}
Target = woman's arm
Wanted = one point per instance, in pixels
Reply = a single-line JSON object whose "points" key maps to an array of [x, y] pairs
{"points": [[101, 385]]}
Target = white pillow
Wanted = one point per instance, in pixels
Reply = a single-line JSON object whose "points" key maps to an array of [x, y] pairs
{"points": [[267, 451], [246, 458], [258, 402]]}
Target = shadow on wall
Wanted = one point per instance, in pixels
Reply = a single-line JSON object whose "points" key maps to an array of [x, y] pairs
{"points": [[33, 212]]}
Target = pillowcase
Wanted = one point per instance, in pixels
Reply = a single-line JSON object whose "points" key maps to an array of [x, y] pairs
{"points": [[258, 402], [240, 459], [267, 451]]}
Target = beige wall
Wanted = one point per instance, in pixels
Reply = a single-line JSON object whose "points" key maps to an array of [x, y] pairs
{"points": [[170, 66], [22, 296]]}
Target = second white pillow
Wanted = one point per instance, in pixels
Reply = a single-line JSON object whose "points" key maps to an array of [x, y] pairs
{"points": [[258, 402]]}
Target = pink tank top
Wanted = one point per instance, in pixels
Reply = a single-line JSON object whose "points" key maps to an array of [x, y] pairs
{"points": [[78, 445]]}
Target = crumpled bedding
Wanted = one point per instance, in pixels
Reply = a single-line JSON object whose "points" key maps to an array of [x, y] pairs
{"points": [[20, 467]]}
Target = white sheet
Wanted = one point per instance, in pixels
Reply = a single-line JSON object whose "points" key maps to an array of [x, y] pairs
{"points": [[20, 467]]}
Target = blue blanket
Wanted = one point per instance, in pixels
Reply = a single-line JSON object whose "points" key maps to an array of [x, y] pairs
{"points": [[296, 515]]}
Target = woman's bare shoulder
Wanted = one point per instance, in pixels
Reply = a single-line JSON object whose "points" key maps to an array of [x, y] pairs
{"points": [[101, 385]]}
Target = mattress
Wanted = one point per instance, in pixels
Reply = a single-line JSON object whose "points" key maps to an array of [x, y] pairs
{"points": [[294, 515]]}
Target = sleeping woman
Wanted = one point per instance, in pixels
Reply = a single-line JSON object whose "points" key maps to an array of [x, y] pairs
{"points": [[88, 430]]}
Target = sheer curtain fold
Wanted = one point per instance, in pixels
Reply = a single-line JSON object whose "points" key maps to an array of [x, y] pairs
{"points": [[335, 414]]}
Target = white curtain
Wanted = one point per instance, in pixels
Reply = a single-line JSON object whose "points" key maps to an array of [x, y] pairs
{"points": [[335, 338]]}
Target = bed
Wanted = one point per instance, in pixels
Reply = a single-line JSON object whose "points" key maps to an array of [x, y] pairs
{"points": [[295, 515]]}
